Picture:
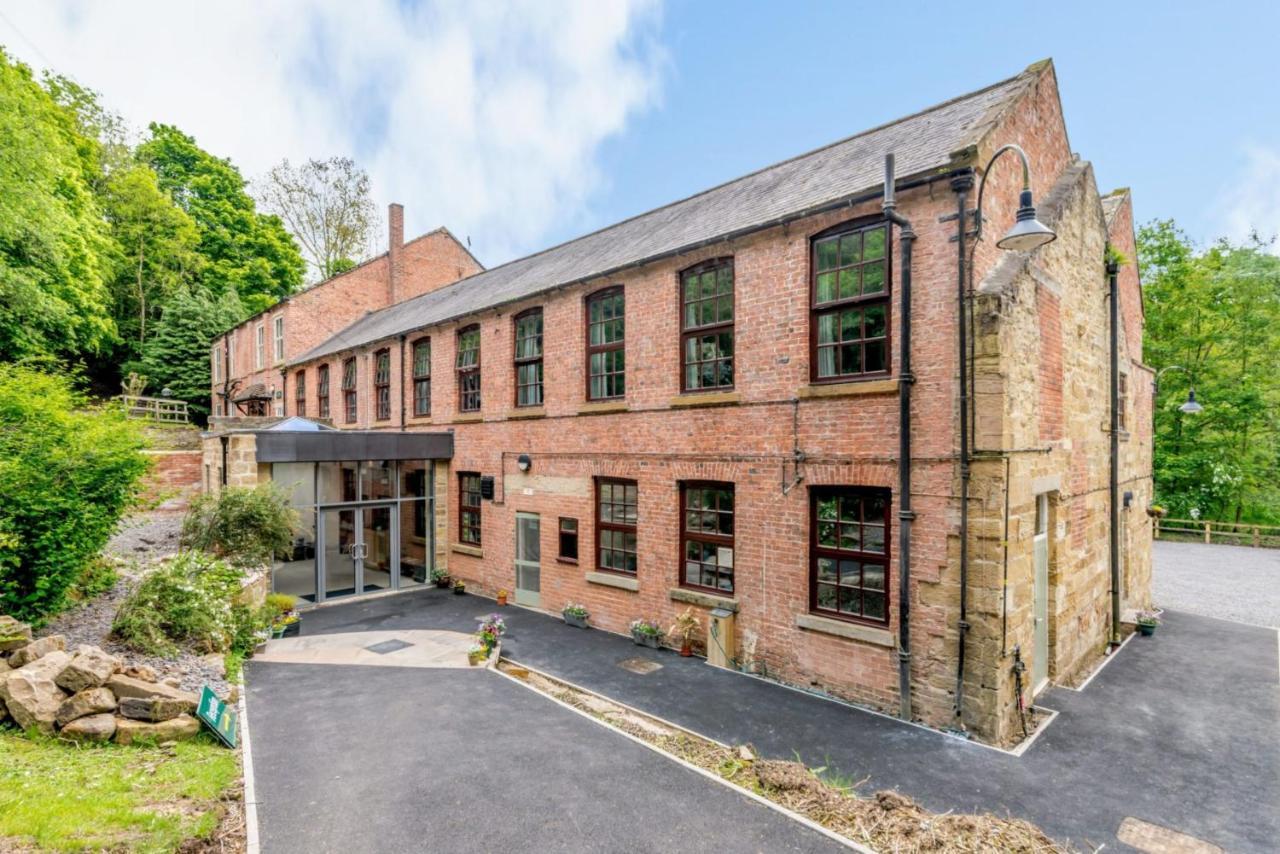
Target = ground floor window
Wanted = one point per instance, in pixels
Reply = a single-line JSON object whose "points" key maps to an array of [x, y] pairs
{"points": [[849, 552], [706, 535], [568, 540], [469, 508], [616, 518]]}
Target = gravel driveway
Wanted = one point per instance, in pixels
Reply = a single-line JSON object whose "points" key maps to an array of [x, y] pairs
{"points": [[1237, 583]]}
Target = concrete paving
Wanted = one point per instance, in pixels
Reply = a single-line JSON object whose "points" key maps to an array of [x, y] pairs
{"points": [[408, 648], [1237, 583]]}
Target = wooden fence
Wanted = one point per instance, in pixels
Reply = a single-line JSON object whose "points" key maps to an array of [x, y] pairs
{"points": [[1237, 533], [155, 408]]}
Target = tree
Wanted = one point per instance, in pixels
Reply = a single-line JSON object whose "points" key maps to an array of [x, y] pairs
{"points": [[244, 250], [325, 204], [177, 354]]}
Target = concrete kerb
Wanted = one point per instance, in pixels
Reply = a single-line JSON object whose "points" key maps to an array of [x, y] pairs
{"points": [[252, 839], [1105, 661]]}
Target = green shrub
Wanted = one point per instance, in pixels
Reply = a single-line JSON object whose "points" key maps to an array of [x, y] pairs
{"points": [[68, 472], [244, 525], [188, 602], [96, 577]]}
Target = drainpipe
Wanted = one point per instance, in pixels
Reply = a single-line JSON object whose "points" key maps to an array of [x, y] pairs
{"points": [[224, 440], [1113, 486], [402, 375], [906, 379], [962, 184]]}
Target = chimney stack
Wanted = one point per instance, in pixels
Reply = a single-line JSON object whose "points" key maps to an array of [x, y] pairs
{"points": [[395, 251]]}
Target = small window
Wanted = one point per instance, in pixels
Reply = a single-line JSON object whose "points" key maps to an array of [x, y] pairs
{"points": [[706, 321], [382, 384], [468, 364], [529, 358], [616, 518], [278, 329], [322, 391], [300, 392], [217, 364], [849, 553], [260, 352], [349, 389], [1122, 402], [606, 352], [568, 540], [706, 535], [469, 508], [849, 296], [422, 377]]}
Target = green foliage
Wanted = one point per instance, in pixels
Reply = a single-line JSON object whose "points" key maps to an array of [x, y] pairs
{"points": [[67, 474], [280, 603], [96, 577], [1215, 313], [187, 602], [176, 355], [248, 525]]}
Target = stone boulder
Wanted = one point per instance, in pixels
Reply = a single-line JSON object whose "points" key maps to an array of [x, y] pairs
{"points": [[30, 693], [99, 727], [125, 687], [145, 672], [153, 709], [177, 729], [13, 634], [91, 701], [89, 668], [37, 649]]}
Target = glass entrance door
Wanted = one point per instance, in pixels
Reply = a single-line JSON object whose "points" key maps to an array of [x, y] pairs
{"points": [[528, 560], [357, 555]]}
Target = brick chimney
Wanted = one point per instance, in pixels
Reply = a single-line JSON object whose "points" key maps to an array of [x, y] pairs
{"points": [[395, 251]]}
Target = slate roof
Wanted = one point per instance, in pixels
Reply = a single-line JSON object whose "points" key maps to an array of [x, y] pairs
{"points": [[922, 143]]}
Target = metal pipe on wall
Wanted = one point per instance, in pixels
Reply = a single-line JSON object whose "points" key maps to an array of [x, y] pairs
{"points": [[1113, 484], [962, 184]]}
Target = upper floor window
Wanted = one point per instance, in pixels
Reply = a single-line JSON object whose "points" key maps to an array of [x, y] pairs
{"points": [[606, 354], [349, 389], [616, 518], [706, 535], [529, 358], [849, 296], [278, 335], [322, 391], [468, 364], [300, 392], [422, 377], [849, 553], [382, 384], [260, 351], [469, 508], [706, 323], [1122, 401], [217, 364]]}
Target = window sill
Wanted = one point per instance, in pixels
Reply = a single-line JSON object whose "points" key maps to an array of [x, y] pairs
{"points": [[468, 418], [706, 600], [567, 561], [526, 412], [842, 629], [467, 550], [848, 389], [602, 407], [707, 398], [608, 579]]}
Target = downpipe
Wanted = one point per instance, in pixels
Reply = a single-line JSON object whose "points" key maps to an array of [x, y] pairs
{"points": [[962, 184], [1113, 484], [906, 379]]}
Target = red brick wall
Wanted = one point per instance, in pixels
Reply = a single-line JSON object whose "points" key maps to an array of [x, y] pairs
{"points": [[174, 477]]}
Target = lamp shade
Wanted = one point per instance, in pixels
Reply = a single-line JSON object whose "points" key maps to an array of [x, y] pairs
{"points": [[1028, 232], [1192, 406]]}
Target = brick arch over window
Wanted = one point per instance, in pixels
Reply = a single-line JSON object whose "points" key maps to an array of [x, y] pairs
{"points": [[849, 288]]}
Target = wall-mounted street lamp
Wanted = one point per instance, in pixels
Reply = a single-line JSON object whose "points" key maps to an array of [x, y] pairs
{"points": [[1191, 406], [1027, 233]]}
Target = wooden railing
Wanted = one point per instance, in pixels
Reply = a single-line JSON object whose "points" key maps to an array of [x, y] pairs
{"points": [[155, 408], [1239, 533]]}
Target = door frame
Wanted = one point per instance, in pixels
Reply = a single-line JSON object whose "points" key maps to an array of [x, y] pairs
{"points": [[530, 598], [1040, 560], [393, 533]]}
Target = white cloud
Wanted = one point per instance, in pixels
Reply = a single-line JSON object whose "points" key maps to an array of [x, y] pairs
{"points": [[1252, 203], [484, 117]]}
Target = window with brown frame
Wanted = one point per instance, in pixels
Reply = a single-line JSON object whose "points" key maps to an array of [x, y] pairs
{"points": [[468, 364], [849, 553], [349, 389], [382, 384], [706, 535], [606, 351], [849, 298], [529, 358], [616, 517], [1122, 401], [422, 377], [568, 530], [469, 508], [300, 392], [706, 323], [322, 391]]}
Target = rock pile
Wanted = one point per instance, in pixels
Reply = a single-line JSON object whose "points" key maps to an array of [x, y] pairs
{"points": [[86, 694]]}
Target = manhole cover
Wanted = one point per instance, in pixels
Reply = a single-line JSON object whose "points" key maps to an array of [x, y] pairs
{"points": [[388, 646], [639, 665]]}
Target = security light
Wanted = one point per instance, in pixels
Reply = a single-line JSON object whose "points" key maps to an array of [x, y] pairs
{"points": [[523, 462]]}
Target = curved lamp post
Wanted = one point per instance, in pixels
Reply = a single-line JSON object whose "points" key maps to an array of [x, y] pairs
{"points": [[1191, 406], [1027, 233]]}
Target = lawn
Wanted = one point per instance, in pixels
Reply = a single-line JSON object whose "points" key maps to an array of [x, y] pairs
{"points": [[59, 797]]}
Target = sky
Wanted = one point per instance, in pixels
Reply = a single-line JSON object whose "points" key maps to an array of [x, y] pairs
{"points": [[523, 124]]}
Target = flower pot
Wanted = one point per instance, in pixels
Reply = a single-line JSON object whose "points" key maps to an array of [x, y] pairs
{"points": [[293, 629], [502, 599], [575, 621], [458, 591], [1147, 629], [475, 659], [277, 632], [686, 649], [443, 582], [642, 639]]}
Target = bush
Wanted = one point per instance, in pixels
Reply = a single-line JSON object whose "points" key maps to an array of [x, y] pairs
{"points": [[97, 577], [68, 472], [243, 525]]}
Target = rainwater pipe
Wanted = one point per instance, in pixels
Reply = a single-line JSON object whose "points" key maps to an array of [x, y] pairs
{"points": [[1113, 477]]}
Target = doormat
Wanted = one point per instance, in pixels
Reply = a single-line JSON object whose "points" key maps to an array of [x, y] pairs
{"points": [[639, 665], [388, 646]]}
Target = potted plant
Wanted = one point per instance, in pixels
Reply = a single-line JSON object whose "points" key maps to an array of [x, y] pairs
{"points": [[459, 587], [576, 615], [502, 597], [1155, 511], [477, 654], [440, 578], [1147, 622], [684, 628], [492, 628], [646, 633], [284, 620]]}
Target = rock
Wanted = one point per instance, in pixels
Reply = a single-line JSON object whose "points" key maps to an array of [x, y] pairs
{"points": [[172, 681], [91, 701], [13, 634], [31, 695], [89, 668], [127, 686], [36, 649], [745, 754], [141, 671], [99, 727], [153, 709], [179, 728]]}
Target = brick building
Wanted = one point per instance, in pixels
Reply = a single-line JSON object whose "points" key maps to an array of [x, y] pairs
{"points": [[701, 406]]}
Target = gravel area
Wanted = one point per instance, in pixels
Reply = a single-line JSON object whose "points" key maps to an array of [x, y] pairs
{"points": [[1236, 583], [146, 536]]}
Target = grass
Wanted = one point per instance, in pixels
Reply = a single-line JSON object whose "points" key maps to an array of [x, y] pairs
{"points": [[59, 797]]}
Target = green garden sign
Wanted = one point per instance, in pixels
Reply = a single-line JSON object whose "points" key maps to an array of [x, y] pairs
{"points": [[217, 716]]}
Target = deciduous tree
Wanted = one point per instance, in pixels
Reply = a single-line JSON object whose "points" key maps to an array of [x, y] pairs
{"points": [[325, 204]]}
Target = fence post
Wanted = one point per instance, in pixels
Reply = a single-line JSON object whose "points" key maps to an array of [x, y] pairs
{"points": [[1157, 532], [1257, 539], [1207, 537]]}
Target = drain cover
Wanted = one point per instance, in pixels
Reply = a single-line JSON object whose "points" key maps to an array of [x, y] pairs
{"points": [[639, 665], [388, 646]]}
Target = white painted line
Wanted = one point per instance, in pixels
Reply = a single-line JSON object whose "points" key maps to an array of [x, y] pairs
{"points": [[715, 778], [252, 843]]}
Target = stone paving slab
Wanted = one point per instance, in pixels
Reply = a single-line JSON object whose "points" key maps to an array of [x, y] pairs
{"points": [[407, 648]]}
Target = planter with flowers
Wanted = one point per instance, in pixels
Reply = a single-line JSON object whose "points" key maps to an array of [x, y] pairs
{"points": [[459, 587], [576, 615], [488, 639], [684, 628], [502, 597], [646, 633], [285, 621], [1147, 622], [440, 578]]}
